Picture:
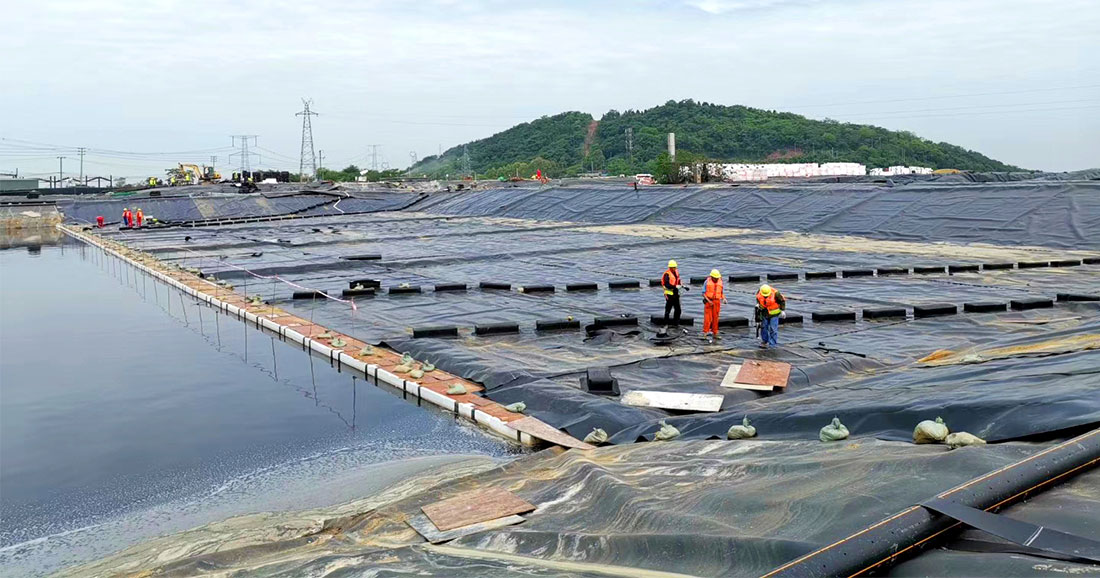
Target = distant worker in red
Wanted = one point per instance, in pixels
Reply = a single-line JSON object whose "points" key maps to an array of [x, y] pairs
{"points": [[127, 217], [770, 306], [714, 296], [140, 217], [670, 282]]}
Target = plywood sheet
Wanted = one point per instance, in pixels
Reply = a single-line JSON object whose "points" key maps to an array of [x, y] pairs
{"points": [[773, 373], [537, 428], [730, 380], [674, 400], [475, 506], [426, 528]]}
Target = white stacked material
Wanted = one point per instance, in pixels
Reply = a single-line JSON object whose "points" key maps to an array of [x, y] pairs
{"points": [[842, 169], [737, 172], [900, 170]]}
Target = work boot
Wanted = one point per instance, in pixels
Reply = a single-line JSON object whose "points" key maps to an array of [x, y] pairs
{"points": [[710, 339], [763, 346], [717, 337]]}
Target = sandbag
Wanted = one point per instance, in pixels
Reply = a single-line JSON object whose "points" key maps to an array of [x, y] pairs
{"points": [[740, 432], [666, 432], [517, 407], [833, 432], [456, 389], [930, 432], [962, 439], [596, 437]]}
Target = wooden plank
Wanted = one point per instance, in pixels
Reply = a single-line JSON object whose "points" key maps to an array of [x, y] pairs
{"points": [[426, 528], [774, 373], [674, 400], [730, 380], [475, 506], [539, 429]]}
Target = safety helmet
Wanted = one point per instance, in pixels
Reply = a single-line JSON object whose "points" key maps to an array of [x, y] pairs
{"points": [[672, 263], [714, 273], [766, 290]]}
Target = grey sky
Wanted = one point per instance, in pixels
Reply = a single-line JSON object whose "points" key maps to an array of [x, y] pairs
{"points": [[155, 76]]}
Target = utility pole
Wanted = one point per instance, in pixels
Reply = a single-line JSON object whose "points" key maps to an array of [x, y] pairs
{"points": [[465, 161], [81, 151], [630, 145], [245, 155], [60, 170], [213, 161], [307, 142], [320, 163]]}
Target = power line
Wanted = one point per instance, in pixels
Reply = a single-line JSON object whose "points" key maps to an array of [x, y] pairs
{"points": [[307, 142], [244, 154]]}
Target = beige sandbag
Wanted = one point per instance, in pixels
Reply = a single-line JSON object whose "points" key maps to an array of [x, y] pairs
{"points": [[961, 439], [596, 437], [930, 432], [666, 432], [743, 431], [833, 432]]}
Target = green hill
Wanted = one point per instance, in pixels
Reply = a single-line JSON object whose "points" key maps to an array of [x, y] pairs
{"points": [[573, 142]]}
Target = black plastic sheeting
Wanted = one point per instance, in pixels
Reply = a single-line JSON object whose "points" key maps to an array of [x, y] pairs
{"points": [[716, 508], [863, 371]]}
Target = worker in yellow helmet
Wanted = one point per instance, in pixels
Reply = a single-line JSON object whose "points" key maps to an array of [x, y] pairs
{"points": [[714, 296], [770, 306], [672, 285]]}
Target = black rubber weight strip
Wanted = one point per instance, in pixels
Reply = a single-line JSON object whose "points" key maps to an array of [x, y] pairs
{"points": [[698, 280], [404, 290], [961, 268], [883, 312], [997, 266], [450, 287], [984, 307], [858, 273], [1025, 304], [365, 283], [1077, 297], [654, 282], [893, 271], [782, 276], [790, 318], [820, 274], [1032, 264], [733, 322], [358, 292], [435, 331], [623, 284], [537, 289], [557, 324], [1091, 260], [495, 286], [932, 310], [308, 295], [1066, 263], [819, 316], [659, 319], [371, 257], [615, 321], [495, 328], [744, 278], [927, 270], [1018, 532], [588, 286]]}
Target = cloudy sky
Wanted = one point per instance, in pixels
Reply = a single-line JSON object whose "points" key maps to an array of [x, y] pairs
{"points": [[144, 84]]}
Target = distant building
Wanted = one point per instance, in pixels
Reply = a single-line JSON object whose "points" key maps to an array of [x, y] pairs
{"points": [[13, 185]]}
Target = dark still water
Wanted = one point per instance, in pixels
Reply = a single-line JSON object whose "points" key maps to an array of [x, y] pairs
{"points": [[127, 411]]}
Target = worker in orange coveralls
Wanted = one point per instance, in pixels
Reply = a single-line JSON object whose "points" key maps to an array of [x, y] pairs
{"points": [[140, 217], [714, 296], [127, 217]]}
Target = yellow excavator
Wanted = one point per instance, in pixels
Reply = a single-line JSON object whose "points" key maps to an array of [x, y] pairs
{"points": [[191, 174]]}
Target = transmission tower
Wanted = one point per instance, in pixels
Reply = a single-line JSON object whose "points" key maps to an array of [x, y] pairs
{"points": [[412, 158], [465, 161], [374, 156], [244, 155], [307, 142], [630, 144]]}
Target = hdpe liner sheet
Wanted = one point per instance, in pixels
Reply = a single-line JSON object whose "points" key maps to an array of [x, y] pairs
{"points": [[1056, 214], [702, 508]]}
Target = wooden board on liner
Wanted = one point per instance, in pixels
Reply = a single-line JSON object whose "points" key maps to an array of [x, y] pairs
{"points": [[540, 429], [424, 526], [757, 375], [676, 401], [475, 506]]}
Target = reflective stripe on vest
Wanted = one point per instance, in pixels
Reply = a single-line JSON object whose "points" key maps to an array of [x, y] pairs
{"points": [[673, 280], [768, 303]]}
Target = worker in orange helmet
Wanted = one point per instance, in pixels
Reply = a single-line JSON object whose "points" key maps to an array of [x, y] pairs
{"points": [[714, 296], [770, 306], [127, 218], [140, 217]]}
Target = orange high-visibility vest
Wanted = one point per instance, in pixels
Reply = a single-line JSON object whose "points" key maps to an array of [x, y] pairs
{"points": [[669, 280], [768, 303], [713, 290]]}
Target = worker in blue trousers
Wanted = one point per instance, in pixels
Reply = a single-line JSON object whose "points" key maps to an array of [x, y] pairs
{"points": [[770, 306]]}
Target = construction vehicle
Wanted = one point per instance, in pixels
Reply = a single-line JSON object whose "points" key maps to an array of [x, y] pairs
{"points": [[191, 174]]}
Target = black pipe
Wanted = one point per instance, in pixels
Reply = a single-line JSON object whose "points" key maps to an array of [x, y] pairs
{"points": [[907, 532]]}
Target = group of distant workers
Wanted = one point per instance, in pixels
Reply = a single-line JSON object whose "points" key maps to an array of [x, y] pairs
{"points": [[131, 218], [769, 307]]}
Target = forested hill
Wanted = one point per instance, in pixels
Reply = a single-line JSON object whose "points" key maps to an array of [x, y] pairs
{"points": [[571, 142]]}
